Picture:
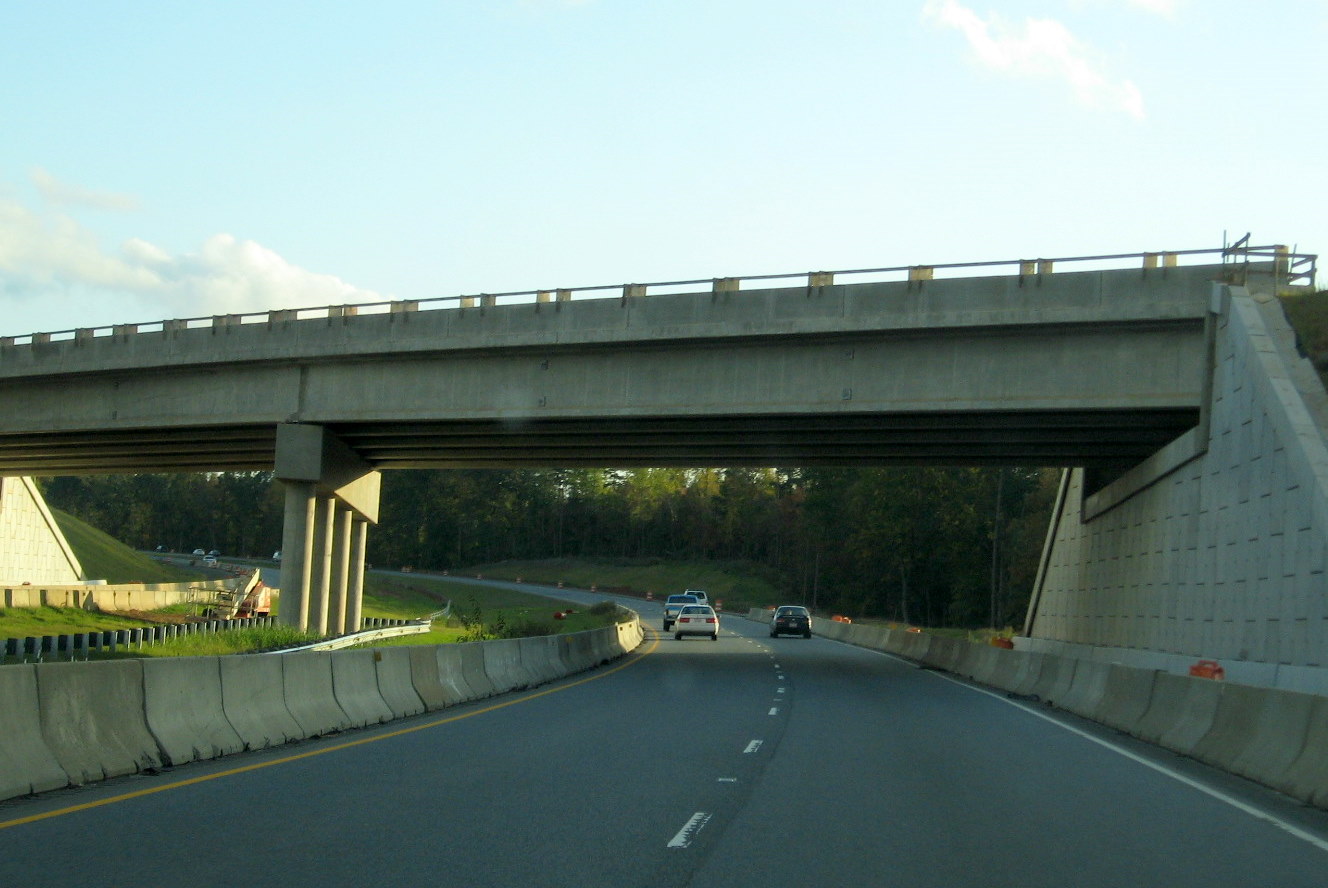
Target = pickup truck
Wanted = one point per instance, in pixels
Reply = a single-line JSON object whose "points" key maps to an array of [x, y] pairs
{"points": [[674, 604]]}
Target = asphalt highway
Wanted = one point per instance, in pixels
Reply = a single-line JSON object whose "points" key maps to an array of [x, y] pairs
{"points": [[747, 761]]}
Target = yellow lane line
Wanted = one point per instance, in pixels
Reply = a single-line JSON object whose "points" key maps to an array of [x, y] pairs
{"points": [[635, 658]]}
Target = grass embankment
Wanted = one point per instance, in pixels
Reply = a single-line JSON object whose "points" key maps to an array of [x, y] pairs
{"points": [[1308, 314], [739, 585], [105, 558]]}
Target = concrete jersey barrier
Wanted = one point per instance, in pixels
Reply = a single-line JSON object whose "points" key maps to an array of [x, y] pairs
{"points": [[355, 685], [183, 705], [253, 695], [452, 675], [472, 670], [92, 718], [396, 683], [427, 680], [26, 764], [310, 694], [503, 666]]}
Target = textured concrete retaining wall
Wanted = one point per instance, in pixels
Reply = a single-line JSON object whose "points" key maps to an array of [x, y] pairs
{"points": [[1215, 548], [32, 548], [1275, 737], [67, 724]]}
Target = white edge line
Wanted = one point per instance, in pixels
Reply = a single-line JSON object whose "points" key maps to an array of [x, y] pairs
{"points": [[1257, 813], [774, 710]]}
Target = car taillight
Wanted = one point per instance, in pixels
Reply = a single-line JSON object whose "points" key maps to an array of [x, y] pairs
{"points": [[710, 619], [684, 619]]}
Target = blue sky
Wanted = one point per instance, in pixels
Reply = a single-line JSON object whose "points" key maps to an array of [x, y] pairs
{"points": [[169, 160]]}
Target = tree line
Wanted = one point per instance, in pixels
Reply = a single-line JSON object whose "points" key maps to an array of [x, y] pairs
{"points": [[928, 545]]}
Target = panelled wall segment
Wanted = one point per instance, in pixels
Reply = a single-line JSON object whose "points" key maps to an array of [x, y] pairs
{"points": [[32, 548], [1224, 557]]}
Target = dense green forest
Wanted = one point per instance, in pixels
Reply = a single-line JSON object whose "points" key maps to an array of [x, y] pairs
{"points": [[926, 545]]}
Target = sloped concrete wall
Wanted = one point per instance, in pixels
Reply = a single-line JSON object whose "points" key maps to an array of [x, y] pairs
{"points": [[1221, 555], [32, 548]]}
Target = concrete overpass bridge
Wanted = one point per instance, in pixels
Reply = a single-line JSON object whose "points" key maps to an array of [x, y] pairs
{"points": [[1113, 365]]}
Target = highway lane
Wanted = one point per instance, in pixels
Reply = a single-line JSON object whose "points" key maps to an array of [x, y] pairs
{"points": [[793, 762]]}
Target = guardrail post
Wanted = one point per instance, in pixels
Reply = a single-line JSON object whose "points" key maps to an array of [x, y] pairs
{"points": [[919, 273], [1282, 259], [466, 302], [724, 285], [407, 305], [543, 296], [564, 295], [487, 301], [821, 279], [633, 291], [1044, 266]]}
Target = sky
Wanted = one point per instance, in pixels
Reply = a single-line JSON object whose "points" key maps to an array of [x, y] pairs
{"points": [[178, 160]]}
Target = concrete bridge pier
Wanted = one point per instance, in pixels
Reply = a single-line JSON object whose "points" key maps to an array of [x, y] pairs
{"points": [[331, 498]]}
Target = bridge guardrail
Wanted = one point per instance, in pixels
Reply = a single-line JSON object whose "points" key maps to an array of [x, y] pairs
{"points": [[1290, 266]]}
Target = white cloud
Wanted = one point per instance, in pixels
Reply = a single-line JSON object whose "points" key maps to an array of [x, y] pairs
{"points": [[63, 194], [1040, 48], [46, 256]]}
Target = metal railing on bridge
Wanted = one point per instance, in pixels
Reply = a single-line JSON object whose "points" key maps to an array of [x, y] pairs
{"points": [[1289, 267]]}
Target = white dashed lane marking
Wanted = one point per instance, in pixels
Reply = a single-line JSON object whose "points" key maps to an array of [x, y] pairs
{"points": [[689, 830]]}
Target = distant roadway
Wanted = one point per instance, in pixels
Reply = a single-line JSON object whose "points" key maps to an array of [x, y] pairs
{"points": [[749, 761]]}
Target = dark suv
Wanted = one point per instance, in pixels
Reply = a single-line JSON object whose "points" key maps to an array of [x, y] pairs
{"points": [[791, 619]]}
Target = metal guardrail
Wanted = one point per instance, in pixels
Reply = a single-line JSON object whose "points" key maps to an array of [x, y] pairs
{"points": [[415, 627], [1291, 267]]}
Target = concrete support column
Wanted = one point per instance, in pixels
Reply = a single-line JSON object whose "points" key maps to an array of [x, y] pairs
{"points": [[331, 498], [322, 562], [341, 544], [355, 602], [296, 545]]}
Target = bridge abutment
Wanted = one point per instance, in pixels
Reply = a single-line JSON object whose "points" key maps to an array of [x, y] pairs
{"points": [[1216, 548]]}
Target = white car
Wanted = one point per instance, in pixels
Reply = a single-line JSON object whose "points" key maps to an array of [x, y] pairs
{"points": [[697, 619], [210, 560]]}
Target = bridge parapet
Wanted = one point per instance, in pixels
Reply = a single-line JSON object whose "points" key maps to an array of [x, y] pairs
{"points": [[1292, 268]]}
